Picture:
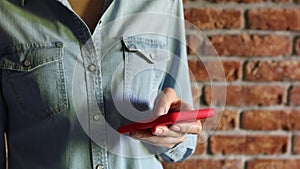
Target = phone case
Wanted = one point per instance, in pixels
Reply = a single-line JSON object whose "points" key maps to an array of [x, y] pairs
{"points": [[169, 119]]}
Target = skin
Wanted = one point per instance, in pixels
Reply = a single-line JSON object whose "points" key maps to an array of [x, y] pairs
{"points": [[90, 11], [165, 136]]}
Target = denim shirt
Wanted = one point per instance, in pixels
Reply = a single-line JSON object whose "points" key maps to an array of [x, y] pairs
{"points": [[64, 91]]}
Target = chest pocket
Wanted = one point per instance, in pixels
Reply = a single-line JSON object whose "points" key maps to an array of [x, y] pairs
{"points": [[146, 62], [34, 77]]}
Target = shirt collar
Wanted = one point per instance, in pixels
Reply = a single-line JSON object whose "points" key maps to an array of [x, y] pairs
{"points": [[106, 3], [22, 2]]}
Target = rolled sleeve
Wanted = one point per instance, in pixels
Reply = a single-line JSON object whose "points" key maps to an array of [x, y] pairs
{"points": [[181, 151]]}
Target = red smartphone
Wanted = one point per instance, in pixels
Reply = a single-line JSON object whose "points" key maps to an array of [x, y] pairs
{"points": [[169, 119]]}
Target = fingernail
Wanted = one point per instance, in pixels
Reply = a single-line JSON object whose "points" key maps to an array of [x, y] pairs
{"points": [[176, 128], [158, 131]]}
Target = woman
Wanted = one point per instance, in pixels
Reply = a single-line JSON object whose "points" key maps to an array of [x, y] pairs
{"points": [[72, 72]]}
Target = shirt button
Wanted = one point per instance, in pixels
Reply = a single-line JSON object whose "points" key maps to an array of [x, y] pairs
{"points": [[99, 167], [59, 44], [27, 63], [97, 117], [92, 68]]}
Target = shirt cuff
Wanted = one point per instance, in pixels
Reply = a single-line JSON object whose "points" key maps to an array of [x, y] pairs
{"points": [[181, 151]]}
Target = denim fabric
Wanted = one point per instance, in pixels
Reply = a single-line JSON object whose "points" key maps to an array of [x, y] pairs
{"points": [[64, 90]]}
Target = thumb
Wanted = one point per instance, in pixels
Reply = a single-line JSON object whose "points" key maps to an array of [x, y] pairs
{"points": [[164, 101]]}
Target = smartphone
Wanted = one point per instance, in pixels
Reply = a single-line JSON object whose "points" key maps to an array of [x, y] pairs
{"points": [[169, 119]]}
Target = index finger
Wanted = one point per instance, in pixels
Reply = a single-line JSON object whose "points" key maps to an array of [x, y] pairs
{"points": [[188, 127]]}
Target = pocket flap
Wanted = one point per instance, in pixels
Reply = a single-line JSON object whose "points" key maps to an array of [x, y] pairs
{"points": [[26, 57], [152, 49]]}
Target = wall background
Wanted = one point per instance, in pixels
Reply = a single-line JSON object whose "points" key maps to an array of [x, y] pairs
{"points": [[259, 45]]}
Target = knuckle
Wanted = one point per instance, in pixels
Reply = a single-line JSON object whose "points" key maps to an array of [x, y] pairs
{"points": [[169, 90], [170, 93]]}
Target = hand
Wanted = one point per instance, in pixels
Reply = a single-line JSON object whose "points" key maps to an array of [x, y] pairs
{"points": [[165, 136]]}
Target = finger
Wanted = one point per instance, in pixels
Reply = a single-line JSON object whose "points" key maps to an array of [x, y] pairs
{"points": [[180, 106], [157, 140], [193, 127], [164, 101], [166, 132], [167, 142]]}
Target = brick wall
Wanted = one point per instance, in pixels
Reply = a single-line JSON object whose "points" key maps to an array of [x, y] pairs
{"points": [[258, 42]]}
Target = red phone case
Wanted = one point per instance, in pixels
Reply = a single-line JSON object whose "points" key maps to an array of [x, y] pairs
{"points": [[169, 119]]}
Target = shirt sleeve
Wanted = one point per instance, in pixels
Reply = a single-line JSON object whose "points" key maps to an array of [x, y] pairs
{"points": [[2, 127], [178, 79], [180, 152]]}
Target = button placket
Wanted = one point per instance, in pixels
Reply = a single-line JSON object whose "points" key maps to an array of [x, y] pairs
{"points": [[92, 72], [97, 121], [97, 117]]}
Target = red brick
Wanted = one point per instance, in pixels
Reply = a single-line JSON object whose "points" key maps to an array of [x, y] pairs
{"points": [[205, 164], [252, 45], [248, 145], [261, 95], [274, 19], [294, 95], [296, 144], [294, 118], [209, 18], [297, 45], [198, 70], [283, 70], [233, 70], [201, 146], [263, 120], [215, 70], [238, 1], [229, 120], [196, 92], [271, 120], [250, 1], [199, 45], [194, 44], [185, 1], [273, 164], [279, 1], [200, 149]]}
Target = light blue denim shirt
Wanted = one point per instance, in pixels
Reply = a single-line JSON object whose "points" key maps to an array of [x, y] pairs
{"points": [[64, 91]]}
